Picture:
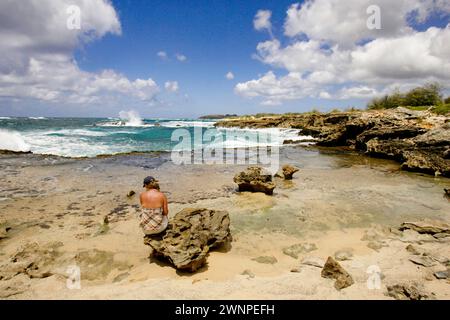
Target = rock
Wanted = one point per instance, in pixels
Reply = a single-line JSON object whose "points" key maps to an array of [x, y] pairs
{"points": [[313, 262], [423, 261], [131, 193], [419, 140], [248, 273], [427, 227], [296, 249], [333, 270], [4, 229], [266, 259], [97, 264], [375, 245], [441, 275], [190, 235], [296, 270], [33, 260], [121, 277], [407, 292], [343, 255], [254, 180], [288, 171], [447, 193], [413, 250]]}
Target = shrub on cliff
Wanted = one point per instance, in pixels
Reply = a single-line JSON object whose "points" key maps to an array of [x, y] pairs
{"points": [[427, 95]]}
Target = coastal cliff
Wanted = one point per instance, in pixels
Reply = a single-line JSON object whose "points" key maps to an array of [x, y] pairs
{"points": [[419, 140]]}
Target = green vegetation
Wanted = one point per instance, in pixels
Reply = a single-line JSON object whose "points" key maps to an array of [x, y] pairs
{"points": [[420, 98]]}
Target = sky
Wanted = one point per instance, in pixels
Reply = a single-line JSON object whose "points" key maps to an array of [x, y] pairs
{"points": [[173, 59]]}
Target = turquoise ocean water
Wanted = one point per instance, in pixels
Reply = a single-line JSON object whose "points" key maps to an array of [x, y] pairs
{"points": [[90, 137]]}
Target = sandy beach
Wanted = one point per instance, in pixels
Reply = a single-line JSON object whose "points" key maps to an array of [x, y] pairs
{"points": [[339, 201]]}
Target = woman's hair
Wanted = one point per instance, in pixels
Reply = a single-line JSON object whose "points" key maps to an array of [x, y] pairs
{"points": [[153, 185]]}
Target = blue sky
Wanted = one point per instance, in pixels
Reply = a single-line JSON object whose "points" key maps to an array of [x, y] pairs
{"points": [[301, 57]]}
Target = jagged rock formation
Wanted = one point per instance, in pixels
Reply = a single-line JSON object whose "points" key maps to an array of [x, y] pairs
{"points": [[419, 140], [189, 237], [255, 180]]}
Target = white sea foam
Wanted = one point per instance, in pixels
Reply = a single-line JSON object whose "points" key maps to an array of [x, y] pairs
{"points": [[5, 118], [37, 118], [13, 141], [183, 123], [78, 132], [132, 118]]}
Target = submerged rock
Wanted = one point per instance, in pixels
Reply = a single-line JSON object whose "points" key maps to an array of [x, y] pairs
{"points": [[266, 259], [333, 270], [295, 250], [190, 235], [33, 260], [447, 193], [254, 180]]}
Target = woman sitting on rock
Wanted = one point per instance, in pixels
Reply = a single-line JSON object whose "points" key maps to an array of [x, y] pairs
{"points": [[154, 208]]}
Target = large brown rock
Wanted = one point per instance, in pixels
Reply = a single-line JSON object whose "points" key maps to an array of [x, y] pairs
{"points": [[190, 235], [255, 180], [333, 270], [288, 171]]}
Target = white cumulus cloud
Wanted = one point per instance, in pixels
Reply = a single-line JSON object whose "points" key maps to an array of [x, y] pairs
{"points": [[333, 55], [262, 20], [37, 60]]}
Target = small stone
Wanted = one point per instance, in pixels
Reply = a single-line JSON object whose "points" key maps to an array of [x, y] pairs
{"points": [[248, 273], [266, 259], [375, 245], [121, 277], [313, 261], [413, 250], [131, 193], [441, 275], [343, 255], [332, 269], [447, 193], [299, 248], [423, 261], [296, 270]]}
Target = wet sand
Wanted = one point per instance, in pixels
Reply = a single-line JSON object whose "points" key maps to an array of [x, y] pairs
{"points": [[338, 201]]}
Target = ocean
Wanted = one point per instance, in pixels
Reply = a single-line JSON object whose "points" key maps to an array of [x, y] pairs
{"points": [[91, 137]]}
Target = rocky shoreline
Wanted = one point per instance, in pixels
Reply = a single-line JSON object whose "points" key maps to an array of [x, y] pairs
{"points": [[419, 140]]}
